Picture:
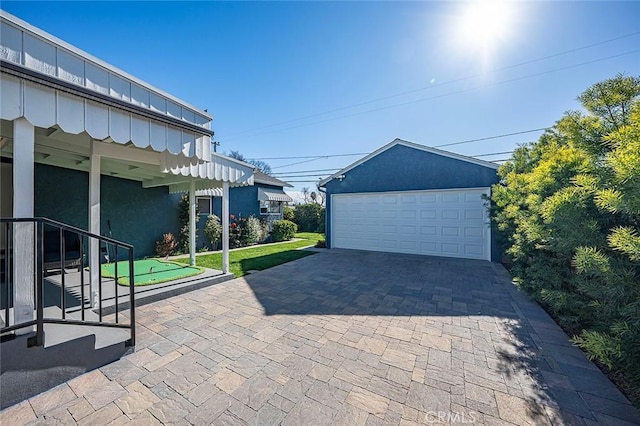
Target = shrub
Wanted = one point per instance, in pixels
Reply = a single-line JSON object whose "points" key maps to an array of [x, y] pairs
{"points": [[569, 207], [183, 217], [309, 217], [283, 230], [288, 213], [235, 230], [213, 230], [166, 245], [250, 231]]}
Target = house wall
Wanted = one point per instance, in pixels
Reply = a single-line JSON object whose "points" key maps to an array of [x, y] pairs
{"points": [[401, 168], [243, 202], [138, 216]]}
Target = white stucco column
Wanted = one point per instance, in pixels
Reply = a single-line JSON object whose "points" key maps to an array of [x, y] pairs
{"points": [[192, 223], [23, 233], [225, 227], [94, 223]]}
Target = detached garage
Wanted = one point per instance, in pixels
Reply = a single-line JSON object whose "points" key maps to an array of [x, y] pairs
{"points": [[410, 198]]}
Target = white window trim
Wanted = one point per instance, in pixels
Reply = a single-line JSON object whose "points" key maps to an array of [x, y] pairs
{"points": [[280, 204]]}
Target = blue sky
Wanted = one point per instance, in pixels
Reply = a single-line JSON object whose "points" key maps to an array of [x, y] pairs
{"points": [[255, 65]]}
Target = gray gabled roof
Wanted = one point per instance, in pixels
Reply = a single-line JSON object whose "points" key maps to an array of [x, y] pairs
{"points": [[408, 144], [259, 177]]}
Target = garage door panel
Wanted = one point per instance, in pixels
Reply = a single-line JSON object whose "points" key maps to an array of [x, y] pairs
{"points": [[473, 249], [452, 249], [441, 223], [471, 214], [474, 232], [449, 198], [408, 199], [450, 214], [429, 198], [408, 230], [450, 231], [428, 247], [428, 230], [428, 214], [408, 214]]}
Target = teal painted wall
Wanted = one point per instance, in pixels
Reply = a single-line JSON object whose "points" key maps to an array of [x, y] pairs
{"points": [[138, 216]]}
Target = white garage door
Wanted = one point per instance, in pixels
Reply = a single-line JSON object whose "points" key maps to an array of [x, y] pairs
{"points": [[452, 223]]}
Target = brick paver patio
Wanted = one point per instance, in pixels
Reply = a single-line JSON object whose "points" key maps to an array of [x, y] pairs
{"points": [[349, 338]]}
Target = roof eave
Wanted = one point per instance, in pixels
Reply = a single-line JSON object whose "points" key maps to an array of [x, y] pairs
{"points": [[414, 145]]}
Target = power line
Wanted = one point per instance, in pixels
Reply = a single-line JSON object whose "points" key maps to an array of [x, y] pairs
{"points": [[301, 176], [306, 171], [432, 86], [319, 157], [511, 80], [452, 93], [492, 153], [297, 174], [309, 156], [300, 162], [492, 137]]}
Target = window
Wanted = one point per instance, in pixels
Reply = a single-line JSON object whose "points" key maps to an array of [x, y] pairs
{"points": [[204, 205], [270, 207]]}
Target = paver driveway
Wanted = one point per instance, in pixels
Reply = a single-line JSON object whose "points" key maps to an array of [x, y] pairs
{"points": [[344, 337]]}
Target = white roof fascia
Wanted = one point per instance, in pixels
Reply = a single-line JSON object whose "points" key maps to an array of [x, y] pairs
{"points": [[86, 56], [410, 145]]}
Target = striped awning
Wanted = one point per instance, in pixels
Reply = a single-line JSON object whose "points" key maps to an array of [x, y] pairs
{"points": [[209, 175], [273, 195]]}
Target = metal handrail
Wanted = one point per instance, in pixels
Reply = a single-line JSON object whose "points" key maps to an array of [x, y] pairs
{"points": [[39, 278]]}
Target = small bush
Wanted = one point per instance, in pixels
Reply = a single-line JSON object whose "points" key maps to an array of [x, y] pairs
{"points": [[283, 230], [183, 217], [250, 231], [288, 213], [213, 230], [166, 245], [321, 244]]}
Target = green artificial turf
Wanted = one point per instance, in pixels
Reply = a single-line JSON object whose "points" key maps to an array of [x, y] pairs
{"points": [[261, 257], [150, 271]]}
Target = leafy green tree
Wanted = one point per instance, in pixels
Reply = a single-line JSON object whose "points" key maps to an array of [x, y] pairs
{"points": [[309, 217], [568, 206]]}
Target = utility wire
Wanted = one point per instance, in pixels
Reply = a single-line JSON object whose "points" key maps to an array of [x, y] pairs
{"points": [[492, 153], [492, 137], [432, 86], [299, 162], [504, 135], [297, 174], [309, 156], [306, 171], [497, 83]]}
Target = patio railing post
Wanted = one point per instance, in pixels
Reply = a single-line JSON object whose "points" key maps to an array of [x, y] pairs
{"points": [[132, 300], [115, 282], [39, 262], [7, 275]]}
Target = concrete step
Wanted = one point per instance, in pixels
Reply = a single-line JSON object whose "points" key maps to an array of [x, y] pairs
{"points": [[55, 334]]}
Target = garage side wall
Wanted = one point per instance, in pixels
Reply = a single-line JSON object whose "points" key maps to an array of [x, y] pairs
{"points": [[401, 168]]}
